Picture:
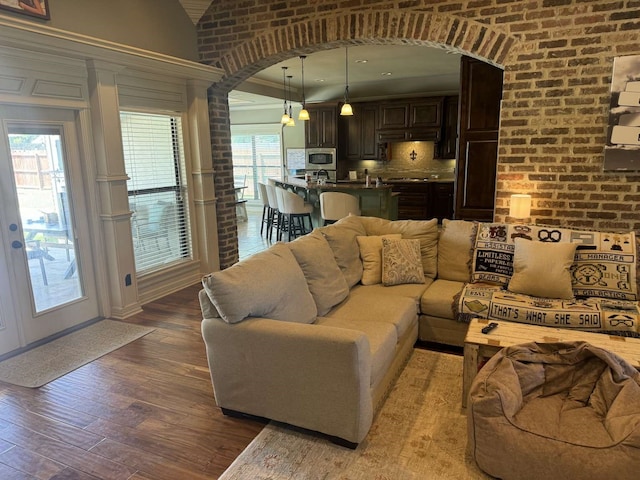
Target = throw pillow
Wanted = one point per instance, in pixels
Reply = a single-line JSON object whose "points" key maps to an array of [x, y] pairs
{"points": [[324, 278], [455, 250], [268, 284], [401, 262], [542, 269], [371, 255]]}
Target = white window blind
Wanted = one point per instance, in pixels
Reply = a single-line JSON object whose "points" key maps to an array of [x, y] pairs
{"points": [[154, 161]]}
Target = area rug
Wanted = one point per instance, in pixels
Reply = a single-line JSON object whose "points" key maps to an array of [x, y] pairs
{"points": [[419, 433], [47, 362]]}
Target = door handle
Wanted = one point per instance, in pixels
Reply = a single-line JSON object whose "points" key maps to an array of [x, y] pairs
{"points": [[16, 244]]}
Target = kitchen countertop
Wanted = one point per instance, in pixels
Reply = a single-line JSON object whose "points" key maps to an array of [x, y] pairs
{"points": [[342, 185]]}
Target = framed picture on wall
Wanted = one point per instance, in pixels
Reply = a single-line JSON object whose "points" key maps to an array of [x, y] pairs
{"points": [[622, 150], [34, 8]]}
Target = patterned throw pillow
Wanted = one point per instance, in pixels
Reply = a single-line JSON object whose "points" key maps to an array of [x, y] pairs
{"points": [[401, 262]]}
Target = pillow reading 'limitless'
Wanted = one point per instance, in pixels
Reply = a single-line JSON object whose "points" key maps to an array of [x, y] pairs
{"points": [[542, 269], [401, 262]]}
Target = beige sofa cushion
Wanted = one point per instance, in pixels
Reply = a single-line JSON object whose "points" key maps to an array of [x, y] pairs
{"points": [[341, 237], [268, 284], [455, 249], [382, 341], [324, 278], [371, 255], [542, 269], [440, 299], [424, 230], [367, 304]]}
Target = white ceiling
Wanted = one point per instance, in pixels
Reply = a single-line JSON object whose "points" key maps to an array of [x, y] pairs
{"points": [[389, 71]]}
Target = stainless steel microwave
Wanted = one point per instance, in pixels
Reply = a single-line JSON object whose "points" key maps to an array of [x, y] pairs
{"points": [[320, 158]]}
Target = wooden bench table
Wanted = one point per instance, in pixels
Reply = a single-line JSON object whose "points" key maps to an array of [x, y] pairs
{"points": [[479, 346]]}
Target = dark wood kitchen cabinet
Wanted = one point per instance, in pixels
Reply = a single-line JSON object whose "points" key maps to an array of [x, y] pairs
{"points": [[322, 127], [424, 200], [441, 200], [480, 97], [413, 200], [426, 112], [394, 115], [413, 113], [359, 141], [446, 149]]}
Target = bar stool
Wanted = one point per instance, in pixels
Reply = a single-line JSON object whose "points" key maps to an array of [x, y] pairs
{"points": [[293, 212], [266, 209], [337, 205], [274, 213]]}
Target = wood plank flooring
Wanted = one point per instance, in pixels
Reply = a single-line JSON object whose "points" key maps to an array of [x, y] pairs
{"points": [[143, 412]]}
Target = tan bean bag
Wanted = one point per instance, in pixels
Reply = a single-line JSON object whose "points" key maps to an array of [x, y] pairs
{"points": [[556, 410]]}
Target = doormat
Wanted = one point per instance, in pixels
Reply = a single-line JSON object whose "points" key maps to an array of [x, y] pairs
{"points": [[54, 359]]}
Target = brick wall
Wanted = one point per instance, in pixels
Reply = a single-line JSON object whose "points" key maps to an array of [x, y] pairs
{"points": [[557, 56]]}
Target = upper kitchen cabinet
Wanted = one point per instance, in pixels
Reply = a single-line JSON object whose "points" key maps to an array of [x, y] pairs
{"points": [[321, 130], [359, 141], [426, 112], [394, 115], [447, 146], [414, 113], [413, 119], [480, 97]]}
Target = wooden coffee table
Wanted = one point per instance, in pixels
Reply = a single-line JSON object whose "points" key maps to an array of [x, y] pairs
{"points": [[479, 346]]}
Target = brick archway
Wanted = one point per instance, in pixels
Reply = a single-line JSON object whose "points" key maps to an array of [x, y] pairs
{"points": [[482, 41]]}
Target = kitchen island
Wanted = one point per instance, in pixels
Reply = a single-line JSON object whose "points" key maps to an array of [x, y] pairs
{"points": [[374, 201]]}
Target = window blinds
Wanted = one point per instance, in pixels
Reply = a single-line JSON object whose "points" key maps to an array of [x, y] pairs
{"points": [[154, 161]]}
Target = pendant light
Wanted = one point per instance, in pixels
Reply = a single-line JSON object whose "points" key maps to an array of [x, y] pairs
{"points": [[304, 113], [285, 116], [291, 122], [346, 108]]}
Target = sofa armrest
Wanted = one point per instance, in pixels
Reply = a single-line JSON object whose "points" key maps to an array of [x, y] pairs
{"points": [[312, 376]]}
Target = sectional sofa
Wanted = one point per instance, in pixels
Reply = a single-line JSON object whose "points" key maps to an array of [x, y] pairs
{"points": [[313, 332]]}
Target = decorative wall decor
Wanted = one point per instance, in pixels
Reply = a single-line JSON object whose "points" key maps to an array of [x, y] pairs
{"points": [[622, 150], [34, 8]]}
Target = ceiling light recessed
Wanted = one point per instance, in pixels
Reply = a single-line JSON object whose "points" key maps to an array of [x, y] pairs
{"points": [[362, 61], [386, 74], [319, 80]]}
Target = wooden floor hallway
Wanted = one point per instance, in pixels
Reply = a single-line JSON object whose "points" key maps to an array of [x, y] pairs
{"points": [[143, 412]]}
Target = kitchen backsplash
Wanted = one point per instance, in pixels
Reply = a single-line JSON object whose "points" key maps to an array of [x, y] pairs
{"points": [[410, 159]]}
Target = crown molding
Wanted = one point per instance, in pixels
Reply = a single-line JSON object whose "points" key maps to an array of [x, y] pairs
{"points": [[28, 36]]}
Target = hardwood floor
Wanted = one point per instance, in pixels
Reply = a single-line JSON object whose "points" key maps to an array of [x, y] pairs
{"points": [[143, 412]]}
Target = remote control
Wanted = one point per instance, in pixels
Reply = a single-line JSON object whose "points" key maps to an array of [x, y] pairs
{"points": [[489, 327]]}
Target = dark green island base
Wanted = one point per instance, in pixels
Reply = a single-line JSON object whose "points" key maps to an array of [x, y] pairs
{"points": [[374, 201]]}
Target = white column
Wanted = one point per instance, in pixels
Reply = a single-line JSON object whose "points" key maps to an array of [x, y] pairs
{"points": [[206, 228], [111, 180]]}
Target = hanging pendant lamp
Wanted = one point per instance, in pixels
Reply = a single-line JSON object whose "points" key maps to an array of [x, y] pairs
{"points": [[346, 108], [285, 116], [304, 113], [291, 122]]}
